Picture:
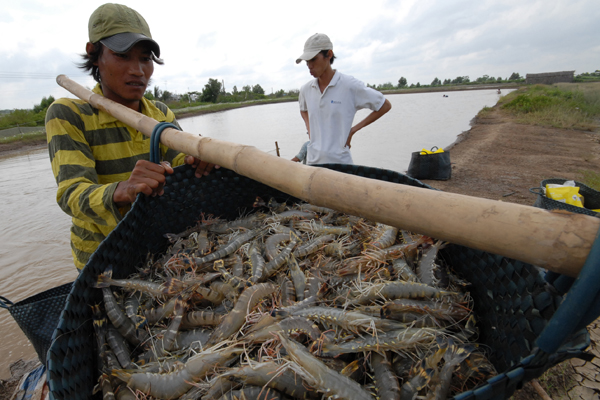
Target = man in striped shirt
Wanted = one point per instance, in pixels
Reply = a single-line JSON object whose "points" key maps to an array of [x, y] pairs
{"points": [[101, 164]]}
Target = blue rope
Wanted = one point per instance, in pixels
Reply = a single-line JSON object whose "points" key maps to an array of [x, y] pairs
{"points": [[155, 156], [580, 306]]}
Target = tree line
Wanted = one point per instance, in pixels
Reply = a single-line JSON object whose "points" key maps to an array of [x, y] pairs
{"points": [[214, 92], [459, 80]]}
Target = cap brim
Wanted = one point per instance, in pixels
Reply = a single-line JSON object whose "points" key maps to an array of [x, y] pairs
{"points": [[122, 42], [307, 55]]}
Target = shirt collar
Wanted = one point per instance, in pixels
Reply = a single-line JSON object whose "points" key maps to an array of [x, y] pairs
{"points": [[148, 109], [335, 79]]}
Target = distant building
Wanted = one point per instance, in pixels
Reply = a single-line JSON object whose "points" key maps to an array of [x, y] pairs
{"points": [[548, 78]]}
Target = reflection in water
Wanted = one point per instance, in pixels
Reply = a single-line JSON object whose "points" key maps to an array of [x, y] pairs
{"points": [[34, 240]]}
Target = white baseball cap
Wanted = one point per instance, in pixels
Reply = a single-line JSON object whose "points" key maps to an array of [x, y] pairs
{"points": [[316, 43]]}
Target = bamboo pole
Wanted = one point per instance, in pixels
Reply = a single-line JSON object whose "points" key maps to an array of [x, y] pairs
{"points": [[558, 241]]}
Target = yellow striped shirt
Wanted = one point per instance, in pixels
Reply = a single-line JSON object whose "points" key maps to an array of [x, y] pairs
{"points": [[91, 152]]}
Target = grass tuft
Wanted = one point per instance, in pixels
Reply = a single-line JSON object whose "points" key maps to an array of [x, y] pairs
{"points": [[572, 106]]}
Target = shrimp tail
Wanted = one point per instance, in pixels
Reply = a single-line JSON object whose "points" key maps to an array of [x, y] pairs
{"points": [[105, 278]]}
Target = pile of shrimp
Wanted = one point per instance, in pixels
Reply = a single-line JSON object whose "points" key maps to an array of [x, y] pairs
{"points": [[289, 302]]}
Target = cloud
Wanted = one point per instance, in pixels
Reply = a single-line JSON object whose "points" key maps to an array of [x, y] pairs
{"points": [[248, 43]]}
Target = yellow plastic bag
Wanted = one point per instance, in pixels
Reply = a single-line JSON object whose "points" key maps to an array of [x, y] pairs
{"points": [[567, 193]]}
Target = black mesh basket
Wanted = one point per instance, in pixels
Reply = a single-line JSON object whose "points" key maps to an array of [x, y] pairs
{"points": [[38, 316], [591, 198], [513, 301]]}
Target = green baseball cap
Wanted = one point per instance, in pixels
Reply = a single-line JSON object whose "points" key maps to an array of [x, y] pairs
{"points": [[119, 27]]}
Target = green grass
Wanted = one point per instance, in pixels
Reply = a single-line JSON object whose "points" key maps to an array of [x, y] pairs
{"points": [[484, 112], [210, 107], [572, 106], [26, 137]]}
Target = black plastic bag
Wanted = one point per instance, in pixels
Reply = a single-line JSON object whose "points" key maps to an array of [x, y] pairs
{"points": [[430, 166]]}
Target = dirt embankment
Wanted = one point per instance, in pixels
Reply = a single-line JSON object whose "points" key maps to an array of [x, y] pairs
{"points": [[500, 159]]}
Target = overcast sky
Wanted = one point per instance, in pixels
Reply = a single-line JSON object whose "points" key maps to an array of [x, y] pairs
{"points": [[257, 42]]}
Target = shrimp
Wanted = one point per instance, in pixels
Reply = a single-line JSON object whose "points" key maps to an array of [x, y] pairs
{"points": [[428, 271], [152, 288], [233, 245], [288, 292], [236, 317], [250, 222], [386, 382], [292, 214], [386, 238], [253, 392], [298, 277], [272, 242], [317, 227], [348, 320], [256, 261], [453, 356], [440, 310], [272, 375], [154, 315], [120, 321], [300, 305], [313, 245], [404, 271], [174, 384], [272, 266], [201, 318], [288, 325], [234, 281], [398, 289], [410, 389], [318, 375], [119, 347], [395, 340]]}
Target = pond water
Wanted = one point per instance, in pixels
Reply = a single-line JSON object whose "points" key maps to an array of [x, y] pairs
{"points": [[34, 239]]}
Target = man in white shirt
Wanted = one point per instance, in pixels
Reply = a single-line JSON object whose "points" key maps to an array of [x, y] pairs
{"points": [[329, 102]]}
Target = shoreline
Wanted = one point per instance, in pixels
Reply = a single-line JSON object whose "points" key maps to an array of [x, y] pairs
{"points": [[181, 113]]}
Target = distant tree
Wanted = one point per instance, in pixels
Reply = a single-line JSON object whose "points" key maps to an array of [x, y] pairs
{"points": [[157, 92], [166, 96], [44, 104], [447, 81], [436, 82], [515, 76], [499, 79], [280, 93], [258, 89], [402, 82], [247, 88], [412, 85], [294, 92], [149, 95], [211, 91], [385, 86], [235, 91], [418, 84], [461, 79]]}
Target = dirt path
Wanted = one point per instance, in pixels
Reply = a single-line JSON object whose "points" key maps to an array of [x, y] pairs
{"points": [[499, 159]]}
